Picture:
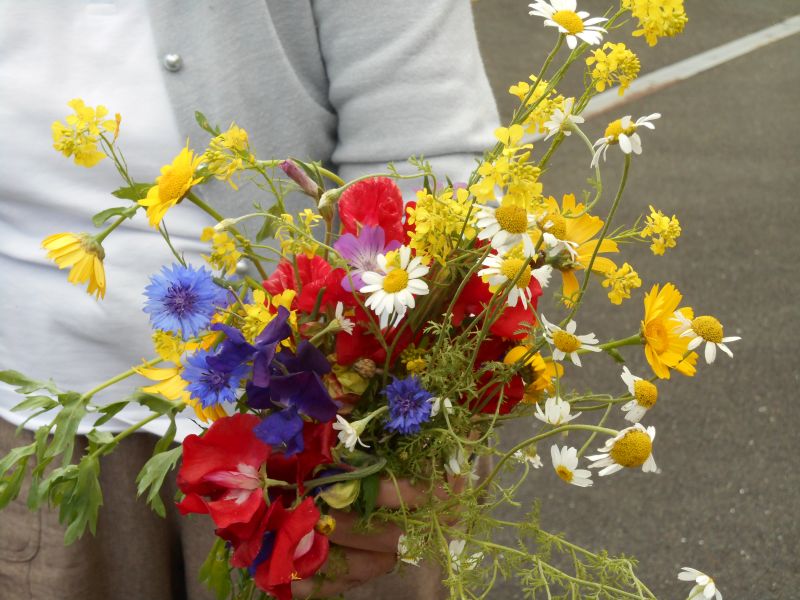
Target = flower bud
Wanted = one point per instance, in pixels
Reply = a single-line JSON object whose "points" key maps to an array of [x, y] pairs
{"points": [[301, 178], [365, 367]]}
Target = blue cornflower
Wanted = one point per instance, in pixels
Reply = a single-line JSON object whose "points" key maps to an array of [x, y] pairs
{"points": [[208, 384], [182, 300], [409, 405]]}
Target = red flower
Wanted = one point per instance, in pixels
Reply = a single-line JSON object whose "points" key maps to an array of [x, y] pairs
{"points": [[318, 439], [315, 273], [291, 548], [375, 201], [363, 344], [219, 472], [512, 321], [495, 349]]}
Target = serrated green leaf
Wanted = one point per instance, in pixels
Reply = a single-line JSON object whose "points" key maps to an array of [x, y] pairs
{"points": [[116, 211], [99, 438], [35, 403], [26, 385], [11, 485], [134, 192], [109, 410], [168, 437], [158, 404], [151, 477], [16, 455], [215, 572], [66, 425], [79, 509]]}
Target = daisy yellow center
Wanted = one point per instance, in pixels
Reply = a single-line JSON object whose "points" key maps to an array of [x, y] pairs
{"points": [[564, 473], [395, 281], [708, 328], [645, 392], [172, 184], [657, 336], [632, 449], [557, 225], [512, 266], [569, 20], [513, 219], [566, 342], [615, 129]]}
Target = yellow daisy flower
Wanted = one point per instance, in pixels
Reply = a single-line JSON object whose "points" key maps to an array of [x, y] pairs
{"points": [[577, 234], [84, 254], [664, 348], [171, 186]]}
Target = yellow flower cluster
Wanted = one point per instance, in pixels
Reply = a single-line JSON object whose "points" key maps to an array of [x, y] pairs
{"points": [[657, 18], [83, 254], [228, 153], [613, 63], [621, 281], [439, 220], [263, 309], [298, 237], [224, 254], [79, 137], [548, 101], [511, 170], [662, 230]]}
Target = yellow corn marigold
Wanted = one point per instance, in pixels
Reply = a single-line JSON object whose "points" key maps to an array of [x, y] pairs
{"points": [[84, 255], [664, 347], [171, 186]]}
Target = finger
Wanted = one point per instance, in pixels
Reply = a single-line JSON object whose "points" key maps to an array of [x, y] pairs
{"points": [[382, 538], [361, 566], [404, 493]]}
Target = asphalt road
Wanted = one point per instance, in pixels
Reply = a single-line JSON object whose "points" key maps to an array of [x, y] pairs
{"points": [[723, 158]]}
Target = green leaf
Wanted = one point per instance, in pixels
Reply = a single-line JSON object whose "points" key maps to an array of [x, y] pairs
{"points": [[168, 437], [117, 211], [99, 438], [15, 456], [134, 192], [66, 426], [204, 124], [11, 485], [215, 572], [158, 404], [151, 477], [25, 384], [109, 410], [615, 355], [79, 509], [35, 403], [270, 224], [369, 493]]}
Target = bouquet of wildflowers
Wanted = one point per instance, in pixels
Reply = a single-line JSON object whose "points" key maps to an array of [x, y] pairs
{"points": [[378, 344]]}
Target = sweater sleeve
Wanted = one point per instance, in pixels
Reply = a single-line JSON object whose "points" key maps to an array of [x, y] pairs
{"points": [[405, 78]]}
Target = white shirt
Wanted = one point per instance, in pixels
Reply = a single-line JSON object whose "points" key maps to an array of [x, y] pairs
{"points": [[103, 52]]}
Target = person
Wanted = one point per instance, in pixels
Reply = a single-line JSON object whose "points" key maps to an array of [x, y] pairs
{"points": [[353, 83]]}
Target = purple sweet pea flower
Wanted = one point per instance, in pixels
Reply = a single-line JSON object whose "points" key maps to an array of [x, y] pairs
{"points": [[362, 253], [282, 428]]}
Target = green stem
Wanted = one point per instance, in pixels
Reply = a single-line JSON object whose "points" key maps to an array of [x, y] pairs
{"points": [[123, 434], [628, 341], [104, 234], [117, 378]]}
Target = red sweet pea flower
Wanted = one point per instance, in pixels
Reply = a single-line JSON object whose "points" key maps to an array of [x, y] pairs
{"points": [[315, 273], [375, 201], [318, 439], [291, 548], [363, 344], [495, 349], [220, 471], [512, 320]]}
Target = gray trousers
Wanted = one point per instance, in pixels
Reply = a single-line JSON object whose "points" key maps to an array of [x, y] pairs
{"points": [[136, 555]]}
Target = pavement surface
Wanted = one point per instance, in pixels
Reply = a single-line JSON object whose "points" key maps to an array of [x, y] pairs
{"points": [[723, 158]]}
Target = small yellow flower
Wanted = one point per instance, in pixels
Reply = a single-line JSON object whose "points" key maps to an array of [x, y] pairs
{"points": [[662, 230], [619, 65], [263, 310], [621, 281], [84, 254], [79, 137], [228, 153], [439, 221], [171, 186], [224, 254], [657, 18], [548, 102]]}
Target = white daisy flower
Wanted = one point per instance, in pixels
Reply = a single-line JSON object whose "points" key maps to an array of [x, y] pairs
{"points": [[349, 432], [543, 274], [402, 551], [645, 395], [506, 226], [460, 463], [530, 456], [562, 120], [632, 447], [393, 289], [498, 270], [437, 403], [459, 562], [345, 323], [567, 343], [623, 132], [565, 462], [561, 15], [704, 588], [556, 412], [705, 329]]}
